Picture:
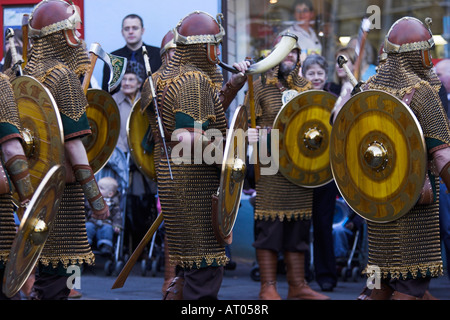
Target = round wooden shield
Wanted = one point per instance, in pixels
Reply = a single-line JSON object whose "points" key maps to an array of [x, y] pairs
{"points": [[378, 156], [137, 126], [41, 128], [304, 129], [34, 229], [104, 120], [232, 175]]}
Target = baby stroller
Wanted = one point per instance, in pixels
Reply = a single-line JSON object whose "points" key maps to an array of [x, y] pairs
{"points": [[350, 265], [117, 167], [141, 213]]}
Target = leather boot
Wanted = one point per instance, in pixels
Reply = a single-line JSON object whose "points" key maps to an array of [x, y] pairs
{"points": [[403, 296], [268, 261], [384, 293], [298, 287], [175, 289], [169, 270], [429, 296]]}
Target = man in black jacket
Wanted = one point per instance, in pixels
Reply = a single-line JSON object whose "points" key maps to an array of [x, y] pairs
{"points": [[132, 31]]}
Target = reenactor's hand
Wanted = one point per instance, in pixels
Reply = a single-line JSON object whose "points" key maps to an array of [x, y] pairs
{"points": [[229, 239], [253, 135], [238, 78]]}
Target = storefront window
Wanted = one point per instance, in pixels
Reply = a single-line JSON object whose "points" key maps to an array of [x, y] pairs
{"points": [[332, 24], [13, 18]]}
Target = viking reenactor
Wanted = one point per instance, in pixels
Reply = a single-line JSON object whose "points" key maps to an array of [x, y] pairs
{"points": [[14, 168], [189, 99], [58, 60], [167, 49], [283, 209], [405, 252]]}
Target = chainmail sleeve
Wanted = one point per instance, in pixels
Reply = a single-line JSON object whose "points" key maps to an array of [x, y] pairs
{"points": [[9, 114], [66, 89], [146, 95], [195, 97], [429, 111]]}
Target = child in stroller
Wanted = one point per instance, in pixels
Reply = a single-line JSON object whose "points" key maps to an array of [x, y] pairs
{"points": [[103, 231]]}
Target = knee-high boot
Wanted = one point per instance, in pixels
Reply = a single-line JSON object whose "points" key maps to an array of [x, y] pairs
{"points": [[298, 287], [267, 261]]}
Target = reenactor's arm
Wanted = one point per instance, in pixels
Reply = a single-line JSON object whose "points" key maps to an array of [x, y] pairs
{"points": [[441, 161], [16, 164], [236, 82]]}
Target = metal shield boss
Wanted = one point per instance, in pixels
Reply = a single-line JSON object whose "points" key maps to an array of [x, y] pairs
{"points": [[232, 177], [34, 229], [41, 128], [104, 119], [304, 135], [137, 126], [378, 156]]}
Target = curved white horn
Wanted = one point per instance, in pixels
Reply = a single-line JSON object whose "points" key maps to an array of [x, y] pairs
{"points": [[286, 44]]}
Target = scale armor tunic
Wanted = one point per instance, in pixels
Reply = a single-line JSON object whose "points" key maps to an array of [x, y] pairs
{"points": [[277, 197], [9, 128], [409, 247], [59, 68], [190, 86]]}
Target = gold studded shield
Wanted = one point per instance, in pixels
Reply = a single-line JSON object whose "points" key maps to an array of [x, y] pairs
{"points": [[304, 129], [378, 156], [41, 128], [104, 120], [232, 176], [137, 126], [34, 229]]}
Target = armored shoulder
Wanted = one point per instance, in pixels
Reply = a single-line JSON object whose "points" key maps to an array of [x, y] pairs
{"points": [[65, 87], [6, 92], [194, 94], [427, 106], [9, 113], [146, 92]]}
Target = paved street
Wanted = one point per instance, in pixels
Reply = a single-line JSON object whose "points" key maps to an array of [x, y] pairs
{"points": [[237, 285]]}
